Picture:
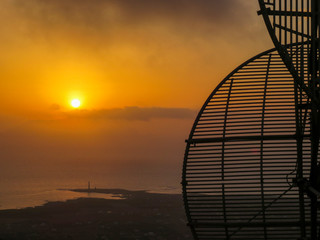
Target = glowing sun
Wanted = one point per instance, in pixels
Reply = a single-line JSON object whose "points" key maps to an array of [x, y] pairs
{"points": [[75, 103]]}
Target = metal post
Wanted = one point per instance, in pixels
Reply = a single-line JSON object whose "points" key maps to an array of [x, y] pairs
{"points": [[314, 116]]}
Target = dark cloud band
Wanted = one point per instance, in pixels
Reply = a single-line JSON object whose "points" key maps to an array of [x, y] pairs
{"points": [[134, 113]]}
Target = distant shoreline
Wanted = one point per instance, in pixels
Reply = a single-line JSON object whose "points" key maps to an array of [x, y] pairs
{"points": [[40, 198], [138, 215], [106, 190], [116, 191], [123, 194]]}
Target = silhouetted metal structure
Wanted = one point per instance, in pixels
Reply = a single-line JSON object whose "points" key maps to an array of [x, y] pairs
{"points": [[251, 162], [289, 22]]}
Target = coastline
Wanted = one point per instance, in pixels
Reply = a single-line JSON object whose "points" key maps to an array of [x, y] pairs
{"points": [[113, 191], [136, 215]]}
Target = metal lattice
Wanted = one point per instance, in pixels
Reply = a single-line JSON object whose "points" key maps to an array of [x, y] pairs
{"points": [[251, 167], [240, 163], [288, 22]]}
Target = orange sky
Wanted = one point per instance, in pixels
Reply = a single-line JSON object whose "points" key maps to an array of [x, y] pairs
{"points": [[142, 70]]}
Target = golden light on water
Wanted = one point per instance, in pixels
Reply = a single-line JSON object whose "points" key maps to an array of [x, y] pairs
{"points": [[75, 103]]}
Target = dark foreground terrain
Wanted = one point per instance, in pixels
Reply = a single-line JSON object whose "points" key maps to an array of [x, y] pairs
{"points": [[139, 215]]}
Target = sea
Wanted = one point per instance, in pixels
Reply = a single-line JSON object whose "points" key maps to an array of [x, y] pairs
{"points": [[17, 193]]}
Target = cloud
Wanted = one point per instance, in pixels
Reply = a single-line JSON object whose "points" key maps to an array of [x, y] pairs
{"points": [[107, 16], [98, 11], [55, 106], [133, 113], [100, 26], [105, 28]]}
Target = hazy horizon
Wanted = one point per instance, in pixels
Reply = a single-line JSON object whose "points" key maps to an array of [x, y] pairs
{"points": [[141, 70]]}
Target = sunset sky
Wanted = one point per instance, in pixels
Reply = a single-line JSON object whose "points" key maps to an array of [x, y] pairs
{"points": [[141, 69]]}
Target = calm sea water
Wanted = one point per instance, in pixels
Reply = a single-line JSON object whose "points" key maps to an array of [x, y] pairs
{"points": [[18, 193]]}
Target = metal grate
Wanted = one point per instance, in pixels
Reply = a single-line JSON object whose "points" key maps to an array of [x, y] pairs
{"points": [[290, 22], [241, 156]]}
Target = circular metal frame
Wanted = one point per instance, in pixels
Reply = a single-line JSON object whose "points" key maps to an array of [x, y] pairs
{"points": [[240, 167], [288, 22]]}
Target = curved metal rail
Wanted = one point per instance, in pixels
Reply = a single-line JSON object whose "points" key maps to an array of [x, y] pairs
{"points": [[288, 22], [240, 167]]}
